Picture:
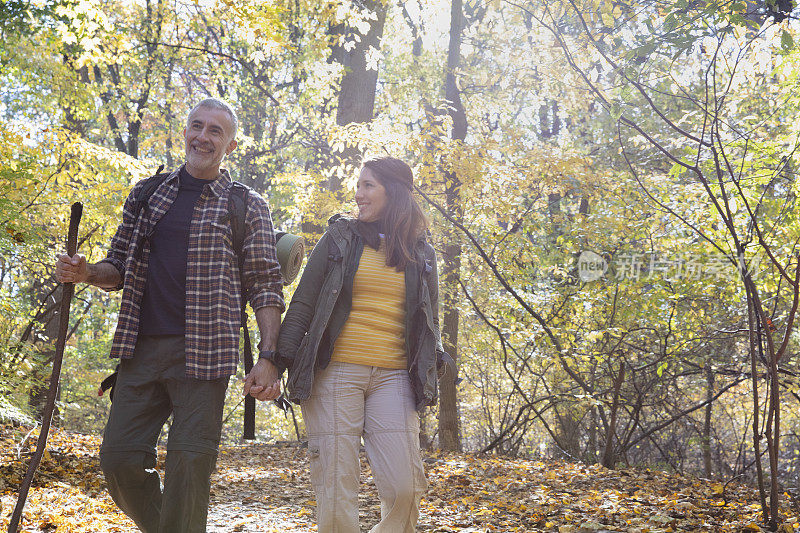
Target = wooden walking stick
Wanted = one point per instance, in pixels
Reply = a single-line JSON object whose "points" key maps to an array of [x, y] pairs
{"points": [[67, 291]]}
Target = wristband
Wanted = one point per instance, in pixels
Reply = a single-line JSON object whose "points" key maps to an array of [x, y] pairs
{"points": [[269, 355]]}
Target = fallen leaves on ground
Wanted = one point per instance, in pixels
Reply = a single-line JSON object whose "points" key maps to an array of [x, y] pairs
{"points": [[68, 491], [266, 488]]}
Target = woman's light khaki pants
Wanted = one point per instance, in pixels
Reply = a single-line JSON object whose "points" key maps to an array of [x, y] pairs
{"points": [[348, 401]]}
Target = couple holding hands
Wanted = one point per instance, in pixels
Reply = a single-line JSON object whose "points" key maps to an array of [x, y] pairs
{"points": [[360, 339]]}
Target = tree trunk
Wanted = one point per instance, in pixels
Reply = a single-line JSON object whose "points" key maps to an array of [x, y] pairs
{"points": [[356, 102], [609, 459], [591, 452], [707, 422], [752, 345], [425, 440], [449, 422]]}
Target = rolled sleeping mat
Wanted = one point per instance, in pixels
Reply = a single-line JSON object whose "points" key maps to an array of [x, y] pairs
{"points": [[291, 249]]}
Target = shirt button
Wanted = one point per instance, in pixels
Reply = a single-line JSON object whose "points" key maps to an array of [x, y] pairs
{"points": [[334, 291]]}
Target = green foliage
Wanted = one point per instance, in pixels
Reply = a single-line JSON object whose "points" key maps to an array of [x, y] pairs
{"points": [[42, 173]]}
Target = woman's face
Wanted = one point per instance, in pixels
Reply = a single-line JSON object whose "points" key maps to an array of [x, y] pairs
{"points": [[370, 197]]}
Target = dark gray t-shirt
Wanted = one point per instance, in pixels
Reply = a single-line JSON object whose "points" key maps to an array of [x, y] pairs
{"points": [[163, 310]]}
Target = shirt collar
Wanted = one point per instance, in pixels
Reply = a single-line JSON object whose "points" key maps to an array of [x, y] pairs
{"points": [[222, 183], [174, 175], [217, 187]]}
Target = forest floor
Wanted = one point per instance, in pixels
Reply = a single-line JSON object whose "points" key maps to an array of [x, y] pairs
{"points": [[265, 488]]}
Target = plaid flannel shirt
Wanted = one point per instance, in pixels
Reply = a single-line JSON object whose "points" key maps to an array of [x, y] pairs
{"points": [[213, 287]]}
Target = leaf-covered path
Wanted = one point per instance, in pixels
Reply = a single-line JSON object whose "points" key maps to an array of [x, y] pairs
{"points": [[265, 488]]}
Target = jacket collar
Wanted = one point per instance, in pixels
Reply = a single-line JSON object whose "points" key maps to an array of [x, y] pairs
{"points": [[347, 227], [370, 233]]}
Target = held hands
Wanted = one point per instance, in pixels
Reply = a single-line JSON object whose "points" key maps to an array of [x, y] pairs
{"points": [[262, 382], [72, 269]]}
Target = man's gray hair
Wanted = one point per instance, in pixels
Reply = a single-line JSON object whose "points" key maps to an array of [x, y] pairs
{"points": [[217, 103]]}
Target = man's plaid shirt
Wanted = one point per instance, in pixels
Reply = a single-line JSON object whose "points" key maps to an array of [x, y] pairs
{"points": [[213, 288]]}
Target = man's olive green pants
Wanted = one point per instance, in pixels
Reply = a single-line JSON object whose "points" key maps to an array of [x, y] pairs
{"points": [[151, 386]]}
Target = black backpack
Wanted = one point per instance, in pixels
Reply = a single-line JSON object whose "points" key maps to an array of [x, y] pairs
{"points": [[237, 211]]}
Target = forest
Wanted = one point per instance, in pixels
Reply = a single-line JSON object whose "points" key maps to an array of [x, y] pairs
{"points": [[611, 185]]}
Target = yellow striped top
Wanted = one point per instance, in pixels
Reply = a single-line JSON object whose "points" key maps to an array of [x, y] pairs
{"points": [[374, 333]]}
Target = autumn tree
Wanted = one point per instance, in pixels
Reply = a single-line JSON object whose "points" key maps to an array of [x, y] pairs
{"points": [[695, 120]]}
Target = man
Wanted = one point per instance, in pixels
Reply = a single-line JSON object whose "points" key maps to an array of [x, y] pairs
{"points": [[178, 329]]}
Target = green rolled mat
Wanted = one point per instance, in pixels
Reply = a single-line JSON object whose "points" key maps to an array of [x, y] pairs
{"points": [[291, 249]]}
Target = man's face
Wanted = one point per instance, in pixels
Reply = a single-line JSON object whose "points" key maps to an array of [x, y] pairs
{"points": [[209, 138]]}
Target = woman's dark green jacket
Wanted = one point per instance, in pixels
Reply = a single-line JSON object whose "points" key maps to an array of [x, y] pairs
{"points": [[322, 302]]}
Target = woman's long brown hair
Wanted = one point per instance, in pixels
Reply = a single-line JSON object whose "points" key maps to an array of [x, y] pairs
{"points": [[403, 220]]}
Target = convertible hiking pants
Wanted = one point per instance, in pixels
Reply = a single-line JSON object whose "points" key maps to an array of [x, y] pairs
{"points": [[151, 386], [350, 400]]}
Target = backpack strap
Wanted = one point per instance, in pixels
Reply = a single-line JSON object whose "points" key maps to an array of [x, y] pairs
{"points": [[238, 195], [148, 188], [142, 198], [236, 215], [237, 212]]}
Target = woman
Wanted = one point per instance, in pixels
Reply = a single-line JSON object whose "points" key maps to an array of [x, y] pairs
{"points": [[361, 341]]}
